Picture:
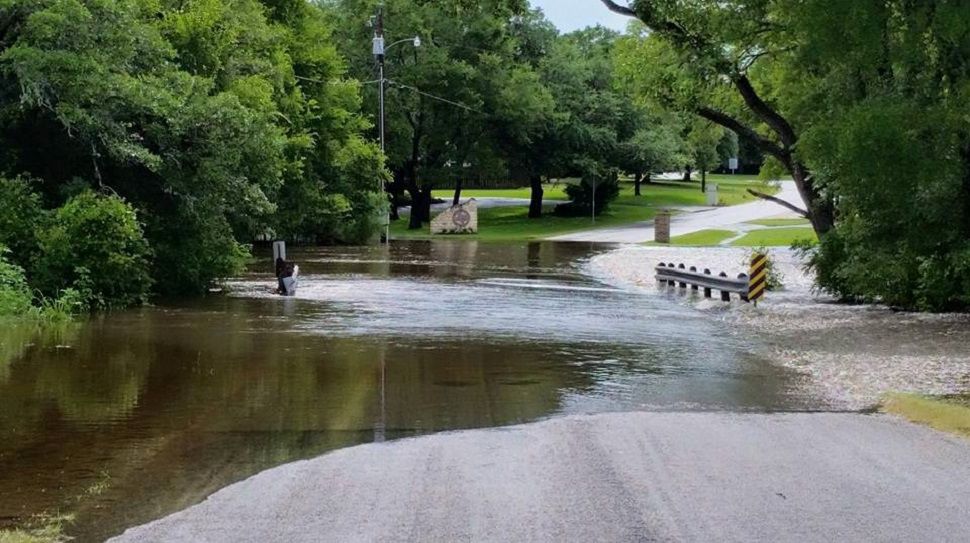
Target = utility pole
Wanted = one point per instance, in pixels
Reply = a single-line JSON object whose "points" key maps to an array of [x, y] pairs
{"points": [[379, 55], [380, 51]]}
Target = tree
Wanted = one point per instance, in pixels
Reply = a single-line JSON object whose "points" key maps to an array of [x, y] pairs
{"points": [[441, 95], [708, 57], [203, 115], [654, 148]]}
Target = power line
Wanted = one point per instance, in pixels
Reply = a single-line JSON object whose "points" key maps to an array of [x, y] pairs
{"points": [[438, 98]]}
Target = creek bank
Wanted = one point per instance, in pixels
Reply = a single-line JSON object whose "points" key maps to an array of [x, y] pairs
{"points": [[854, 355]]}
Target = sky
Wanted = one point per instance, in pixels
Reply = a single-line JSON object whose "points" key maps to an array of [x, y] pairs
{"points": [[571, 15]]}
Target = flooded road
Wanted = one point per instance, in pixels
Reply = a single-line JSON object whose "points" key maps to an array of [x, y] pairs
{"points": [[130, 416]]}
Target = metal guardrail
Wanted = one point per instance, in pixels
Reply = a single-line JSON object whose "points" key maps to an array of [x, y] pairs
{"points": [[679, 275]]}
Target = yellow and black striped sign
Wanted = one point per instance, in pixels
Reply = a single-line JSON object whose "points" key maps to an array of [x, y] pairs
{"points": [[759, 277]]}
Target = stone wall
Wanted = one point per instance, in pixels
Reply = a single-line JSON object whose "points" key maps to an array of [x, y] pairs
{"points": [[460, 219]]}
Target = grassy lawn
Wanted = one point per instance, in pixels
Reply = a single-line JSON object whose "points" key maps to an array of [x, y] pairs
{"points": [[513, 223], [775, 237], [945, 414], [781, 222], [703, 238]]}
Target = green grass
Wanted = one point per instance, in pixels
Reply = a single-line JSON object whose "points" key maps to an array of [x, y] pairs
{"points": [[703, 238], [775, 237], [781, 222], [43, 529], [513, 223], [940, 413]]}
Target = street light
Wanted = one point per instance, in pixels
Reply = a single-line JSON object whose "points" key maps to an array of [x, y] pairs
{"points": [[380, 51]]}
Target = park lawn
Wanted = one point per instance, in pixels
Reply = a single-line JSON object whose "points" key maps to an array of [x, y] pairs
{"points": [[513, 223], [781, 222], [775, 237], [703, 238], [944, 414]]}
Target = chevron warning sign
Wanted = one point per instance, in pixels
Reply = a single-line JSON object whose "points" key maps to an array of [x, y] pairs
{"points": [[759, 277]]}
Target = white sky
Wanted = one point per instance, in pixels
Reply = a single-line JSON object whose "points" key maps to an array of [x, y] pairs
{"points": [[571, 15]]}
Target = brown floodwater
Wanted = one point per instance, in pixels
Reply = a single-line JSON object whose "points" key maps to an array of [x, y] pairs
{"points": [[130, 416]]}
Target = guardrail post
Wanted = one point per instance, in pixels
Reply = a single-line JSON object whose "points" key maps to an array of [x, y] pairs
{"points": [[744, 297], [725, 295], [693, 286], [661, 281], [707, 291], [682, 267]]}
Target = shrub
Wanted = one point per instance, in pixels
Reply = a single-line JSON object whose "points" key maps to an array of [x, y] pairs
{"points": [[775, 280], [14, 293], [20, 216], [607, 189], [193, 252], [95, 240]]}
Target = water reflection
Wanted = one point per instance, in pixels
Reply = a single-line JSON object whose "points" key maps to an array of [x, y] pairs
{"points": [[166, 405]]}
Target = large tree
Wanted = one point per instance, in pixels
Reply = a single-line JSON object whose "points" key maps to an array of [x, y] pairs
{"points": [[204, 114], [709, 56]]}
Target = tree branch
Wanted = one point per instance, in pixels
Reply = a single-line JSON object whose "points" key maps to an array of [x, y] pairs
{"points": [[779, 201], [617, 8], [739, 128], [765, 112]]}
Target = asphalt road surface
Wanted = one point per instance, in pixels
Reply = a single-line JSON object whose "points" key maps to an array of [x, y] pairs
{"points": [[616, 477]]}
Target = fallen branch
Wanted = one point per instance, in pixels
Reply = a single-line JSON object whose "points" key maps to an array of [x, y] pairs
{"points": [[779, 201]]}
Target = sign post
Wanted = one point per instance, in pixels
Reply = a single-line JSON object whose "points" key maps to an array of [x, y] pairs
{"points": [[758, 278]]}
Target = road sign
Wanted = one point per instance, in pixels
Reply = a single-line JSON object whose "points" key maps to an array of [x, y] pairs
{"points": [[759, 278], [733, 164]]}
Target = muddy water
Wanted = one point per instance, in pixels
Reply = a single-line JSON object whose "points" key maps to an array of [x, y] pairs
{"points": [[131, 416]]}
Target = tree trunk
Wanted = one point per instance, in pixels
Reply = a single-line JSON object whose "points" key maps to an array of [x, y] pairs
{"points": [[457, 199], [535, 203], [420, 207], [687, 171], [821, 211], [703, 180], [637, 179]]}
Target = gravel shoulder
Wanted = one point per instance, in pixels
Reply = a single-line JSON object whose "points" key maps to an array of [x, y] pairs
{"points": [[616, 477]]}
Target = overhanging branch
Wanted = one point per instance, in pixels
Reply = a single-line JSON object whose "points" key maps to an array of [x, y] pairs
{"points": [[617, 8], [779, 201], [741, 129]]}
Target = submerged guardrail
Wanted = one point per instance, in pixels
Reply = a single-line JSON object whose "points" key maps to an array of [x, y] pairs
{"points": [[671, 275]]}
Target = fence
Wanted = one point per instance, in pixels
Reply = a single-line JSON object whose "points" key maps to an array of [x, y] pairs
{"points": [[670, 275]]}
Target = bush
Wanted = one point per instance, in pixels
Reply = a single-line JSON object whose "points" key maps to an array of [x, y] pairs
{"points": [[20, 216], [14, 293], [607, 189], [193, 252], [95, 243]]}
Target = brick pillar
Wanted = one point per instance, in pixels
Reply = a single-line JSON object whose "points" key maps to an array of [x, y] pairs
{"points": [[661, 227]]}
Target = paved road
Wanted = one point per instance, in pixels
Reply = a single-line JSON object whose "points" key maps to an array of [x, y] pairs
{"points": [[617, 477], [692, 220]]}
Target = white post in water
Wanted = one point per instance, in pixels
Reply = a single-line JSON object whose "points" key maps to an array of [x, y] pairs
{"points": [[279, 251]]}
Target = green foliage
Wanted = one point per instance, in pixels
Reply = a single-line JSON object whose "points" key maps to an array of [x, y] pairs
{"points": [[14, 293], [97, 242], [775, 280], [210, 117], [20, 217], [605, 187]]}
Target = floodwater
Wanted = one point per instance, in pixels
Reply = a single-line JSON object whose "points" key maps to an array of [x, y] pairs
{"points": [[130, 416]]}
